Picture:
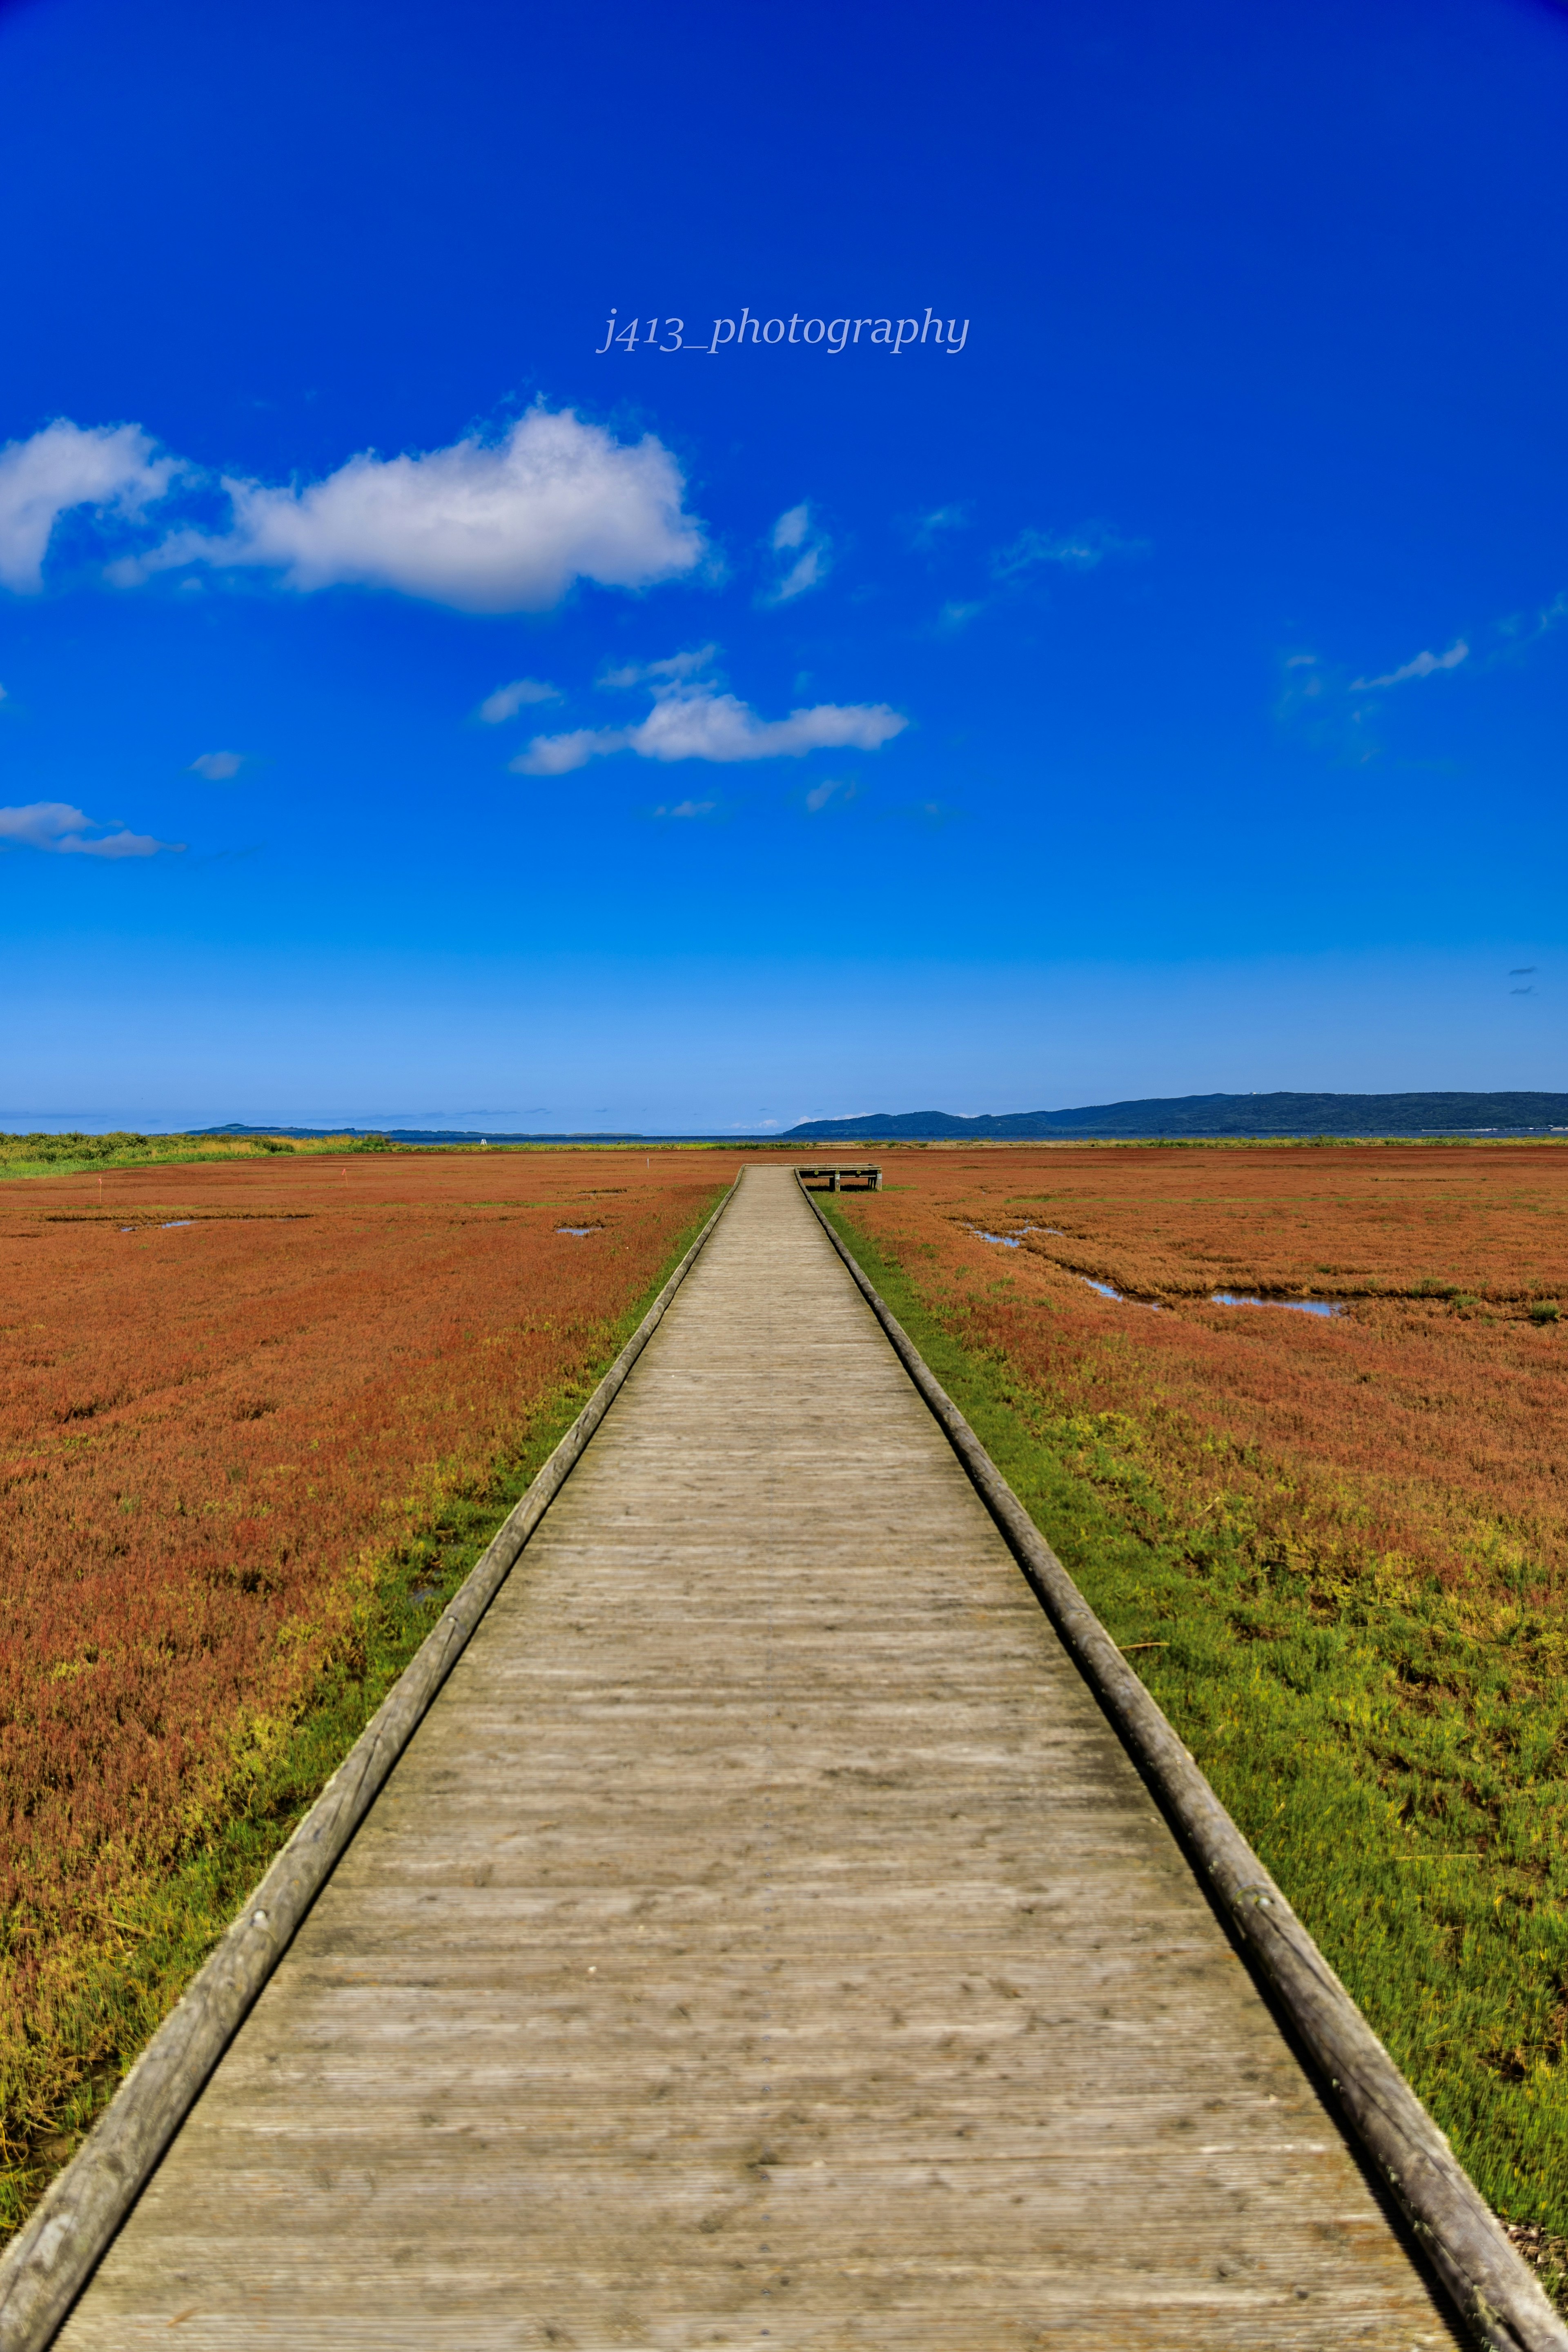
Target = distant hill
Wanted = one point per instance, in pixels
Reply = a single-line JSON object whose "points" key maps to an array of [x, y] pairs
{"points": [[1217, 1115]]}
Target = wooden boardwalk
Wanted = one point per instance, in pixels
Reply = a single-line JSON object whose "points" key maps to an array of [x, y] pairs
{"points": [[763, 1943]]}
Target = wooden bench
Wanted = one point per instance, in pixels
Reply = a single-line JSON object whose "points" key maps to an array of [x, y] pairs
{"points": [[863, 1172]]}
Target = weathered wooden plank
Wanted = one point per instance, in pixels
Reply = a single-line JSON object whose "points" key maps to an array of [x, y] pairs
{"points": [[763, 1940]]}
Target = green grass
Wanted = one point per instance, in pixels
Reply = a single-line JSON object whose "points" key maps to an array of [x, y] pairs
{"points": [[75, 1155], [1398, 1757], [172, 1926]]}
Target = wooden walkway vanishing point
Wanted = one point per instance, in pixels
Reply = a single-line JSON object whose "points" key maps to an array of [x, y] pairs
{"points": [[765, 1942]]}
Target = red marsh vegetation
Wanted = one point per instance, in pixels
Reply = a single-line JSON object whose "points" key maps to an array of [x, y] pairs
{"points": [[226, 1393], [1439, 1390]]}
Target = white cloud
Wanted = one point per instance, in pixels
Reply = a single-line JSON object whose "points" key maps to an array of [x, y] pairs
{"points": [[696, 722], [40, 824], [809, 573], [795, 531], [688, 808], [957, 615], [486, 526], [1424, 666], [66, 466], [790, 529], [669, 672], [1075, 550], [508, 701], [56, 826], [123, 843], [557, 755], [217, 766]]}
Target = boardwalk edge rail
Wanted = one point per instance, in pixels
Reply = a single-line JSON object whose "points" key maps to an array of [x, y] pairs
{"points": [[1488, 2282], [50, 2260]]}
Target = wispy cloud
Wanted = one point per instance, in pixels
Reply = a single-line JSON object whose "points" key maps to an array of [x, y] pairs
{"points": [[1306, 681], [65, 831], [834, 792], [1525, 628], [932, 814], [804, 550], [658, 674], [956, 614], [685, 809], [109, 468], [217, 766], [508, 701], [930, 530], [1424, 665], [695, 721], [1314, 700], [1092, 544]]}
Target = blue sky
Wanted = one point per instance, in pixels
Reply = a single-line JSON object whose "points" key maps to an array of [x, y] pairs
{"points": [[415, 711]]}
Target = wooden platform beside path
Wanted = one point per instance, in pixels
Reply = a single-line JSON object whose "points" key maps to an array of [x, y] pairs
{"points": [[765, 1942]]}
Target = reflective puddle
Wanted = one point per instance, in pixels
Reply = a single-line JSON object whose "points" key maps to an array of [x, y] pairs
{"points": [[1296, 1306], [1121, 1297], [1013, 1241]]}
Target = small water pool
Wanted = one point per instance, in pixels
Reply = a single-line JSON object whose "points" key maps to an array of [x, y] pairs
{"points": [[1121, 1297], [1014, 1240], [1297, 1306], [578, 1233]]}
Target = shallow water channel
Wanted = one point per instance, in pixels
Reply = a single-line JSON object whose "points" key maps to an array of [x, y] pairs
{"points": [[1325, 1306], [1297, 1306], [1013, 1241]]}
